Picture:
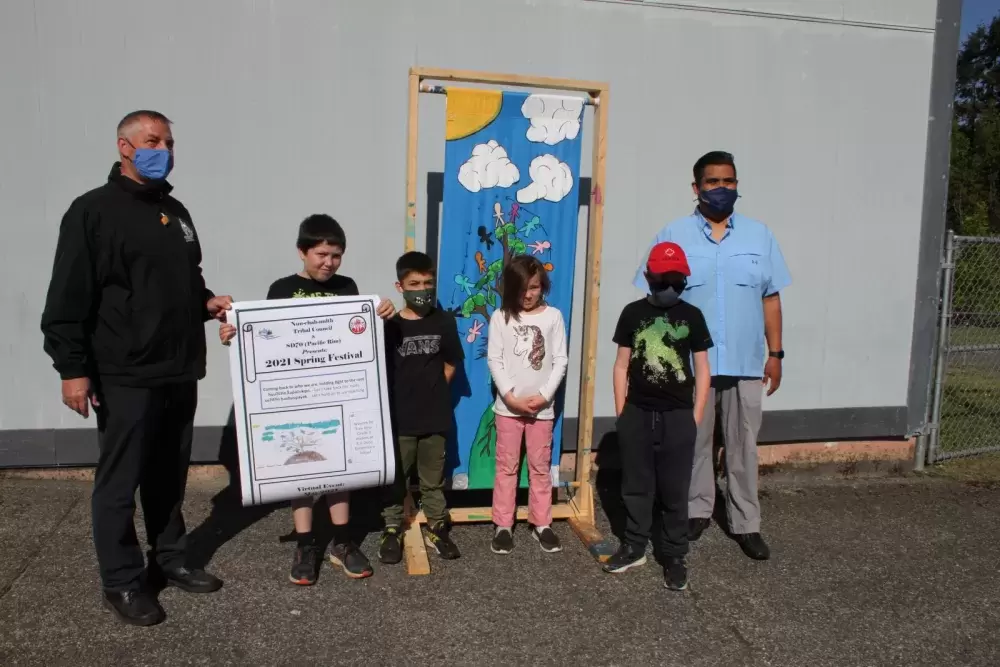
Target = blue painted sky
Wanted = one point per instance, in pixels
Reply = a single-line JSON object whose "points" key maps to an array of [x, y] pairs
{"points": [[975, 12]]}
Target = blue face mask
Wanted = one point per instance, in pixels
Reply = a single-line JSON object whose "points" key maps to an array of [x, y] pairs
{"points": [[153, 164], [719, 201]]}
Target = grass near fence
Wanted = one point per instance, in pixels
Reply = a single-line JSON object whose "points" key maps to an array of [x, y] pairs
{"points": [[970, 335], [970, 410]]}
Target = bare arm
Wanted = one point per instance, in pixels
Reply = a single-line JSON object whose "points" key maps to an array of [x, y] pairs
{"points": [[620, 376], [772, 321], [449, 372], [772, 332], [702, 384]]}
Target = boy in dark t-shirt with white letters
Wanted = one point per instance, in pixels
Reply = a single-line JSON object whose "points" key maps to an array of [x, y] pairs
{"points": [[659, 402], [423, 350]]}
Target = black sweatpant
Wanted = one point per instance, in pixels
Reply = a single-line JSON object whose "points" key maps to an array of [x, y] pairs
{"points": [[145, 441], [657, 451]]}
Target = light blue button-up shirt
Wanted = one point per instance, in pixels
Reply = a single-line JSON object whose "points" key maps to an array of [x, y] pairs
{"points": [[729, 279]]}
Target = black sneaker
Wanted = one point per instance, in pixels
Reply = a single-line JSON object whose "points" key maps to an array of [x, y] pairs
{"points": [[350, 559], [754, 546], [675, 574], [305, 567], [503, 541], [192, 580], [626, 557], [390, 545], [696, 527], [547, 540], [437, 538], [134, 607]]}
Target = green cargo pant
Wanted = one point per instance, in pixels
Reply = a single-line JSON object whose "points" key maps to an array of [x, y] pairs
{"points": [[427, 455]]}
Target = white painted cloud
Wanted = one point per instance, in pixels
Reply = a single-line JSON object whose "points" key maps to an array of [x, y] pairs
{"points": [[488, 167], [553, 117], [551, 180]]}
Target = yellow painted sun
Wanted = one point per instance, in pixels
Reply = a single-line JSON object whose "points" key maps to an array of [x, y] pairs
{"points": [[469, 111]]}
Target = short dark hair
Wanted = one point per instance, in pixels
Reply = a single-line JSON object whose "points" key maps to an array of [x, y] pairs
{"points": [[514, 282], [139, 115], [320, 228], [713, 158], [414, 262]]}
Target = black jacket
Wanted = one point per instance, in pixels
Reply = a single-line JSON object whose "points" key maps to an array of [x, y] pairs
{"points": [[126, 303]]}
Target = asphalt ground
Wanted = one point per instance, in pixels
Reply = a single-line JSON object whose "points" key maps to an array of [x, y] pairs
{"points": [[894, 571]]}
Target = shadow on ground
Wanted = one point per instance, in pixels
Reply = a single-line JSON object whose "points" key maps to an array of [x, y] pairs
{"points": [[865, 572]]}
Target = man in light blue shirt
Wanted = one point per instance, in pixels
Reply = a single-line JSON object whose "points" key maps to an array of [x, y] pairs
{"points": [[737, 273]]}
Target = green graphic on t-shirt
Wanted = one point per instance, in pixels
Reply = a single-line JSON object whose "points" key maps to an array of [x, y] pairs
{"points": [[658, 355], [302, 294]]}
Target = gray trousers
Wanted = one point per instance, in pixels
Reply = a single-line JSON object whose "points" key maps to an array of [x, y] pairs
{"points": [[739, 401]]}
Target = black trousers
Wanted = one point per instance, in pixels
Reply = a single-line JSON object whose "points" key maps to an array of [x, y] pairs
{"points": [[145, 441], [657, 451]]}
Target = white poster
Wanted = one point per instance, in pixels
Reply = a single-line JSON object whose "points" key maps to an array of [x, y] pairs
{"points": [[311, 397]]}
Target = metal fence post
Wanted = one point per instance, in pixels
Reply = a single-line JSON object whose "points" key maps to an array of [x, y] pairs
{"points": [[942, 346], [920, 452]]}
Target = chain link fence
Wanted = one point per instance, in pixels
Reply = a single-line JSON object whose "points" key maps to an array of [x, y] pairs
{"points": [[965, 417]]}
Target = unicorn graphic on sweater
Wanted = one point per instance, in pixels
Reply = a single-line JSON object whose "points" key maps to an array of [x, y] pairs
{"points": [[529, 345]]}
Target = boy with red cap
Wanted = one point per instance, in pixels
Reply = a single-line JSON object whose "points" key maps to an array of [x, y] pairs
{"points": [[659, 402]]}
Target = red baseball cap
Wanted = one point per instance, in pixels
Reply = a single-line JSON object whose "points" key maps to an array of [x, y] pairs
{"points": [[667, 257]]}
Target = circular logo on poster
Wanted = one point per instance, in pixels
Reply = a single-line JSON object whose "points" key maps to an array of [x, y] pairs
{"points": [[358, 325]]}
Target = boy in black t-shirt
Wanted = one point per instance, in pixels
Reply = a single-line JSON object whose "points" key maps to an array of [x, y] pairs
{"points": [[422, 342], [321, 245], [659, 405]]}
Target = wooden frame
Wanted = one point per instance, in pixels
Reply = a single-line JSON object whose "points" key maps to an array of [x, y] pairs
{"points": [[579, 509]]}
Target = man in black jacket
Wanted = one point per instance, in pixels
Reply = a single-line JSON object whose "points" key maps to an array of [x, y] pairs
{"points": [[124, 325]]}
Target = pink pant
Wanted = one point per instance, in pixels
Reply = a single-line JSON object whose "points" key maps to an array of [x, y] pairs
{"points": [[538, 440]]}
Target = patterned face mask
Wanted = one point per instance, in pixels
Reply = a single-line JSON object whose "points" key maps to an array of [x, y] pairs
{"points": [[419, 300]]}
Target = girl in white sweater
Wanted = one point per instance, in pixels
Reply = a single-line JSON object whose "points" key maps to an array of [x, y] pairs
{"points": [[526, 353]]}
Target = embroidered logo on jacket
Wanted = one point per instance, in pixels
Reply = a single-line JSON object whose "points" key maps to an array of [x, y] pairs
{"points": [[187, 229]]}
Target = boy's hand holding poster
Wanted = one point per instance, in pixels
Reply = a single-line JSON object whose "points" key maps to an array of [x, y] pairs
{"points": [[310, 397]]}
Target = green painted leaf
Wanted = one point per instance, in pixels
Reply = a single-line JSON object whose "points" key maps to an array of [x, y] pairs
{"points": [[509, 229], [482, 461], [496, 267], [491, 298], [479, 299], [498, 233], [468, 307]]}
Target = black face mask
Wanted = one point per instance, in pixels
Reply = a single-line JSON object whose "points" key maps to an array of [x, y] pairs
{"points": [[665, 295]]}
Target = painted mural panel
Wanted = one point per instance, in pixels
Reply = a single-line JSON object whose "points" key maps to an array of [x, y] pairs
{"points": [[512, 164]]}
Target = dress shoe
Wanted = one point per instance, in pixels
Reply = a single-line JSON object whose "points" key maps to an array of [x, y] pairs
{"points": [[754, 546], [134, 607], [696, 527], [191, 581]]}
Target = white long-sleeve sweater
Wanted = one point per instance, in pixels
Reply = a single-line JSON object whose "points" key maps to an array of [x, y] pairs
{"points": [[528, 356]]}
